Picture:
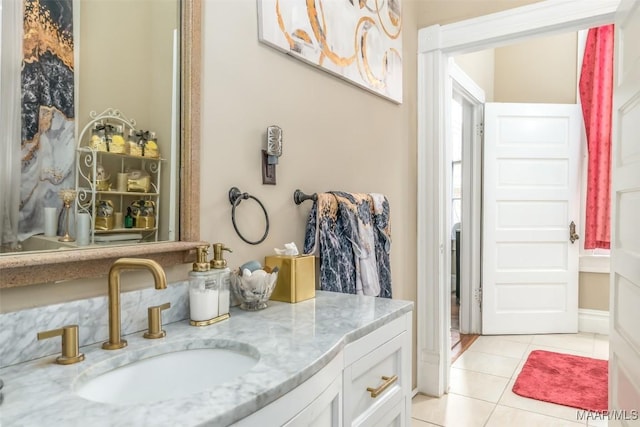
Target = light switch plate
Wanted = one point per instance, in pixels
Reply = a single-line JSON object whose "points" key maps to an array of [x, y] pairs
{"points": [[268, 171]]}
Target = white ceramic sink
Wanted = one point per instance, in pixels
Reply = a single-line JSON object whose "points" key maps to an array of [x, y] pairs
{"points": [[166, 376]]}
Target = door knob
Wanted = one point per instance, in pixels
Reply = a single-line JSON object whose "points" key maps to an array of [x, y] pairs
{"points": [[573, 236]]}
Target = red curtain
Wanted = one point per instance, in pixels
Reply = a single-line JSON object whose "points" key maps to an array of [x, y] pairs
{"points": [[596, 94]]}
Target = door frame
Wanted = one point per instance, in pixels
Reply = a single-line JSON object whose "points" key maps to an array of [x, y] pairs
{"points": [[435, 45], [470, 245]]}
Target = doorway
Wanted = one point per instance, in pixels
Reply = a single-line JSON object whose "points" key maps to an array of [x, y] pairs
{"points": [[465, 154], [437, 43]]}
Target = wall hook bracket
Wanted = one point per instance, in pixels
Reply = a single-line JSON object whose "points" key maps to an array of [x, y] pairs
{"points": [[235, 194]]}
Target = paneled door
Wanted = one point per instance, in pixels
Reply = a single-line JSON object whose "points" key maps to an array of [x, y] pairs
{"points": [[530, 197], [624, 337]]}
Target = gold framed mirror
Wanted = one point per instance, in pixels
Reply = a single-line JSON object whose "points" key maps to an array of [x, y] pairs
{"points": [[52, 266]]}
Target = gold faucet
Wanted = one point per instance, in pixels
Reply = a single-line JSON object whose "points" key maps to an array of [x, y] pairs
{"points": [[115, 340]]}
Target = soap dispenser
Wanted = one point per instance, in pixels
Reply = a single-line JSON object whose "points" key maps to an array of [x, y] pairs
{"points": [[204, 287], [223, 275]]}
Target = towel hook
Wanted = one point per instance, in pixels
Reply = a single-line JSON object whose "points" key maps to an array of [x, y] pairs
{"points": [[236, 197]]}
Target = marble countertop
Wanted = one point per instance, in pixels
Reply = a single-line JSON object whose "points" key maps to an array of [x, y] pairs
{"points": [[294, 341]]}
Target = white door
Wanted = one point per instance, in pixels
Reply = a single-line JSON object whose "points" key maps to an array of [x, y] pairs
{"points": [[624, 350], [530, 196]]}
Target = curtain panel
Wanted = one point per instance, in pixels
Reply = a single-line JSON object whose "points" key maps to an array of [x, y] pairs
{"points": [[596, 95]]}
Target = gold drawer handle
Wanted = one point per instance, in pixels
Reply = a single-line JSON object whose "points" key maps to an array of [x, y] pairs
{"points": [[375, 392]]}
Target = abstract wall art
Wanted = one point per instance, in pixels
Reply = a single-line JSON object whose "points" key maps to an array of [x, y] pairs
{"points": [[358, 40]]}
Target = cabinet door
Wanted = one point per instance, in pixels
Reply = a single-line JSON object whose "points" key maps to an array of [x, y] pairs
{"points": [[393, 418], [324, 411], [374, 384]]}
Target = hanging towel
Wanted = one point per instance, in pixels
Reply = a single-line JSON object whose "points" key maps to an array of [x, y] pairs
{"points": [[325, 237], [382, 224], [350, 233], [355, 213]]}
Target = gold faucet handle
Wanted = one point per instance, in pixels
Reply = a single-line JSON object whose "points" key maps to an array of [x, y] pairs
{"points": [[70, 348], [155, 321]]}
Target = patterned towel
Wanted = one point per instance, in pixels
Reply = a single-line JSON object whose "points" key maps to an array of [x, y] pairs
{"points": [[351, 234]]}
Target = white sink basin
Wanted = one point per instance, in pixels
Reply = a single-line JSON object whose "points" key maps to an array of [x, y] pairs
{"points": [[166, 376]]}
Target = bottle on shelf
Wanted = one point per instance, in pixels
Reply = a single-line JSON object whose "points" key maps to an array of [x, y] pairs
{"points": [[128, 219]]}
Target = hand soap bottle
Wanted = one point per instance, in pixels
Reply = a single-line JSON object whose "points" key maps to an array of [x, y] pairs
{"points": [[204, 289], [223, 275]]}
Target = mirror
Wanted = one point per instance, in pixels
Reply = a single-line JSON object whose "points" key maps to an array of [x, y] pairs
{"points": [[26, 268]]}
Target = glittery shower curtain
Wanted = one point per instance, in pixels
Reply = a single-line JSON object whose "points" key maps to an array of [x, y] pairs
{"points": [[48, 128], [10, 58], [596, 94]]}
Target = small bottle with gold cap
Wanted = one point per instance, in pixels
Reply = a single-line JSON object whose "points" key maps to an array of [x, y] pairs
{"points": [[223, 276], [204, 289]]}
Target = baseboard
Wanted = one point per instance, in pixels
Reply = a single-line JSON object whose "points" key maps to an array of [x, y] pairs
{"points": [[594, 321]]}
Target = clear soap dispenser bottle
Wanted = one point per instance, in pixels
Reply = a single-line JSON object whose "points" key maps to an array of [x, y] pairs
{"points": [[223, 275], [204, 289]]}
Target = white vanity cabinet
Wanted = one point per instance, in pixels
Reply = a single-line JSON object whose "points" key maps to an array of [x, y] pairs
{"points": [[316, 402], [318, 362], [367, 384], [377, 377]]}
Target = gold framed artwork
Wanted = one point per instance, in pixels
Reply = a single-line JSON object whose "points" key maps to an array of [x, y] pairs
{"points": [[357, 40]]}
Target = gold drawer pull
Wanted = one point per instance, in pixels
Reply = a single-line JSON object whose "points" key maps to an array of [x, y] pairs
{"points": [[375, 392]]}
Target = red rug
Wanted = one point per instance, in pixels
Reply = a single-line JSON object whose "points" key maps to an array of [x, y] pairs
{"points": [[576, 381]]}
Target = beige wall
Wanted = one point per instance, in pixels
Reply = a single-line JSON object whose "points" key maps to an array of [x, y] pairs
{"points": [[441, 12], [594, 291], [538, 70], [480, 66], [541, 70]]}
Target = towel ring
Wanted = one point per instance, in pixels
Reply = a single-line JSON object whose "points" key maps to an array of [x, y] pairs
{"points": [[236, 197]]}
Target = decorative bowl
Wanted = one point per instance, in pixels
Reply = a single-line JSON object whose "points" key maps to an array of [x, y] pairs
{"points": [[254, 289]]}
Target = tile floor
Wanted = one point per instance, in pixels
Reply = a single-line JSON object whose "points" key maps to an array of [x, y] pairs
{"points": [[483, 376]]}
